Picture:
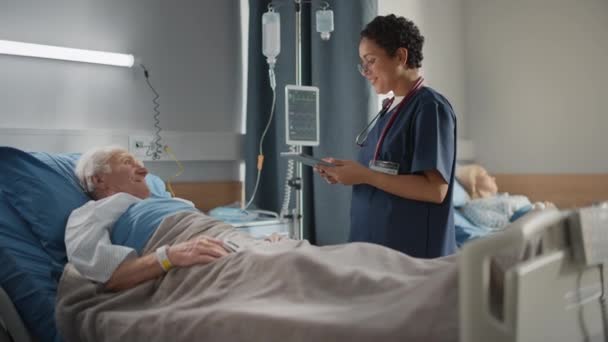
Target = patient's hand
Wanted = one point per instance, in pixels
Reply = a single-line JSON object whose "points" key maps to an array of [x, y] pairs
{"points": [[542, 205], [198, 251], [275, 237]]}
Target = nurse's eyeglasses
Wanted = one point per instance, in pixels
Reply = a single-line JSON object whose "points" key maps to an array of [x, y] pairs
{"points": [[364, 67]]}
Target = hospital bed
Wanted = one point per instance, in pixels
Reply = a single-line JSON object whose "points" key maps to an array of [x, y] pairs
{"points": [[540, 291], [522, 284]]}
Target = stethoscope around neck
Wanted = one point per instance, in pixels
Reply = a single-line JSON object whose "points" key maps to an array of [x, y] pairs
{"points": [[362, 136]]}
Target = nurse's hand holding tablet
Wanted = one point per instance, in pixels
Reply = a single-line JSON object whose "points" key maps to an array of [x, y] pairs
{"points": [[346, 172]]}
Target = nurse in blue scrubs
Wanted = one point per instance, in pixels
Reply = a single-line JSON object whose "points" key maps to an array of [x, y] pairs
{"points": [[404, 174]]}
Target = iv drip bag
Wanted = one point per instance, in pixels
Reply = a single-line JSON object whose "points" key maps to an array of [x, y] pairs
{"points": [[325, 23], [271, 35]]}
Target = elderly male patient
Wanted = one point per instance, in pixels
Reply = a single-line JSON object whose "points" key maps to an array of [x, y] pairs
{"points": [[115, 180]]}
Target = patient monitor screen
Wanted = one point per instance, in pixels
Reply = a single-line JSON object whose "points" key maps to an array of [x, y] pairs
{"points": [[302, 111]]}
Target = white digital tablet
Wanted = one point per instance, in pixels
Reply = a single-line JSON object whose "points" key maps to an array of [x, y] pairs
{"points": [[305, 159]]}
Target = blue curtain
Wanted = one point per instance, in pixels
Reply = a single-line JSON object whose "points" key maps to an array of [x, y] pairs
{"points": [[345, 101]]}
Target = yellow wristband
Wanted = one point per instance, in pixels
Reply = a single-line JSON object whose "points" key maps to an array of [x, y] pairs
{"points": [[163, 258]]}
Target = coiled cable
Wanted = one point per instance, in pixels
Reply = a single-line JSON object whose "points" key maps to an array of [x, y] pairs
{"points": [[288, 177], [155, 150]]}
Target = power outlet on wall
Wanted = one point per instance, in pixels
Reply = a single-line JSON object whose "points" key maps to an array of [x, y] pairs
{"points": [[141, 146]]}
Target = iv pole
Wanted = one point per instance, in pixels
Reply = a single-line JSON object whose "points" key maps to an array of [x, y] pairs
{"points": [[271, 29], [324, 20], [297, 181]]}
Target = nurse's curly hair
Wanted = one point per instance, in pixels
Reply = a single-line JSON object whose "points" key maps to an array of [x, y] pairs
{"points": [[391, 32]]}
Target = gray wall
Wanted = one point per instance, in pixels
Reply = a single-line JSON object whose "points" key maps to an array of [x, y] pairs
{"points": [[191, 47], [441, 24], [536, 78], [527, 78]]}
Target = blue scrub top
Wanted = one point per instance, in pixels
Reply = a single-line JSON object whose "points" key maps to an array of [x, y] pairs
{"points": [[422, 138]]}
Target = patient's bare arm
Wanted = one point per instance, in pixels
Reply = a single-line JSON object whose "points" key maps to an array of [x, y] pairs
{"points": [[199, 251], [133, 272]]}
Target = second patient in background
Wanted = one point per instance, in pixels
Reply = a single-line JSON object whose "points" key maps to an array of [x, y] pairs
{"points": [[487, 207]]}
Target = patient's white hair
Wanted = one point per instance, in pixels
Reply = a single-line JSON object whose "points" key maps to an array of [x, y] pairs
{"points": [[94, 162]]}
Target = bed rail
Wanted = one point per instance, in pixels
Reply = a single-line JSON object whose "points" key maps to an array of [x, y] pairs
{"points": [[524, 285], [11, 325]]}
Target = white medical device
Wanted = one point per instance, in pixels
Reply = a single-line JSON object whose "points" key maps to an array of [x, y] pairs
{"points": [[302, 115], [306, 159]]}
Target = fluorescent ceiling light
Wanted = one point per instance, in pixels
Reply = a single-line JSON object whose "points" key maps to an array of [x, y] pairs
{"points": [[8, 47]]}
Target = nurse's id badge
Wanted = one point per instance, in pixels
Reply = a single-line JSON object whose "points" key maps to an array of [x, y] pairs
{"points": [[390, 168]]}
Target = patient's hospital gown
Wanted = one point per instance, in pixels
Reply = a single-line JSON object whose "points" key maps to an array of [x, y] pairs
{"points": [[494, 212]]}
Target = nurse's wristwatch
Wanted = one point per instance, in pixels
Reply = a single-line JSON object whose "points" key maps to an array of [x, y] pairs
{"points": [[163, 258]]}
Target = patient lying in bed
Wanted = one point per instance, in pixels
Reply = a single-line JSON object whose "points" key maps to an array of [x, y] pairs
{"points": [[487, 207], [116, 181], [179, 282]]}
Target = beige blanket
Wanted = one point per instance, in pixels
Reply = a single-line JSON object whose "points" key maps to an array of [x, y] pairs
{"points": [[286, 291]]}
